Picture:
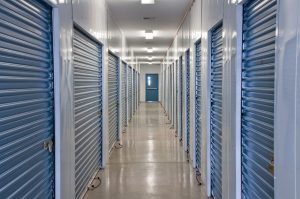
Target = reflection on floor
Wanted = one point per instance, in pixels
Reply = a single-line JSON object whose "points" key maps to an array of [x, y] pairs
{"points": [[151, 164]]}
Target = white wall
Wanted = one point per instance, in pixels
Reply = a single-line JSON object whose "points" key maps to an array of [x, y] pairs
{"points": [[287, 98], [148, 69]]}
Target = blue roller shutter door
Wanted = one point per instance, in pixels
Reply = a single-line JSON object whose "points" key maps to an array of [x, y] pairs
{"points": [[88, 109], [139, 88], [170, 94], [129, 72], [259, 30], [188, 100], [26, 100], [134, 91], [198, 105], [216, 111], [176, 98], [124, 95], [180, 98], [113, 99]]}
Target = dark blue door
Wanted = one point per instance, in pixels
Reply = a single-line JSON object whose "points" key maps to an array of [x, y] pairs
{"points": [[26, 100], [151, 87]]}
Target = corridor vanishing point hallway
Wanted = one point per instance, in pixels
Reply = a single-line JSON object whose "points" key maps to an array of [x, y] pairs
{"points": [[150, 165]]}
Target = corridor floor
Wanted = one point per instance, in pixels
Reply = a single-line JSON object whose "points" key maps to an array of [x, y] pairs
{"points": [[151, 164]]}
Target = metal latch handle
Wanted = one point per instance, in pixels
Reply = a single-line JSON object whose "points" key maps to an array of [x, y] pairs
{"points": [[271, 166], [48, 145]]}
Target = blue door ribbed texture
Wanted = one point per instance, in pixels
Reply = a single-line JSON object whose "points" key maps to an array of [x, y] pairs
{"points": [[88, 109], [259, 32], [187, 83], [113, 99], [216, 111], [124, 95], [26, 100], [134, 91], [180, 99], [176, 98], [198, 105], [129, 72]]}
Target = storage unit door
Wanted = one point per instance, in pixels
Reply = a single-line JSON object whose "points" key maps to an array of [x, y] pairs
{"points": [[129, 72], [139, 88], [134, 91], [176, 98], [216, 111], [180, 99], [113, 99], [170, 93], [165, 89], [198, 105], [124, 96], [88, 109], [259, 30], [188, 100], [26, 100]]}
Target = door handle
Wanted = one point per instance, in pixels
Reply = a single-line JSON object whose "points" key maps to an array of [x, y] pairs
{"points": [[271, 166], [49, 145], [152, 88]]}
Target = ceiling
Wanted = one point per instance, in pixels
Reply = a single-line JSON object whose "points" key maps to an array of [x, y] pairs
{"points": [[163, 18]]}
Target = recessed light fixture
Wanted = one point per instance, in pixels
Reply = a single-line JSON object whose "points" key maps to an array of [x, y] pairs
{"points": [[150, 50], [149, 34], [150, 58], [147, 1]]}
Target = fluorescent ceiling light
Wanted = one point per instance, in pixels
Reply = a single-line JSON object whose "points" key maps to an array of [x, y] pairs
{"points": [[149, 58], [150, 50], [147, 1], [149, 34]]}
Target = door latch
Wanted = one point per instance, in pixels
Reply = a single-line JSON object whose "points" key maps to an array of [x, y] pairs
{"points": [[271, 166], [48, 145]]}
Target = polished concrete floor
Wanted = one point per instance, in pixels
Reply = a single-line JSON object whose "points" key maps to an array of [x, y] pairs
{"points": [[151, 164]]}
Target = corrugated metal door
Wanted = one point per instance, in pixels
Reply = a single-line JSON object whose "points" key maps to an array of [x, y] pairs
{"points": [[113, 99], [88, 109], [180, 99], [216, 111], [134, 91], [26, 100], [176, 98], [129, 72], [139, 88], [187, 100], [198, 105], [165, 88], [170, 93], [259, 30], [124, 95]]}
